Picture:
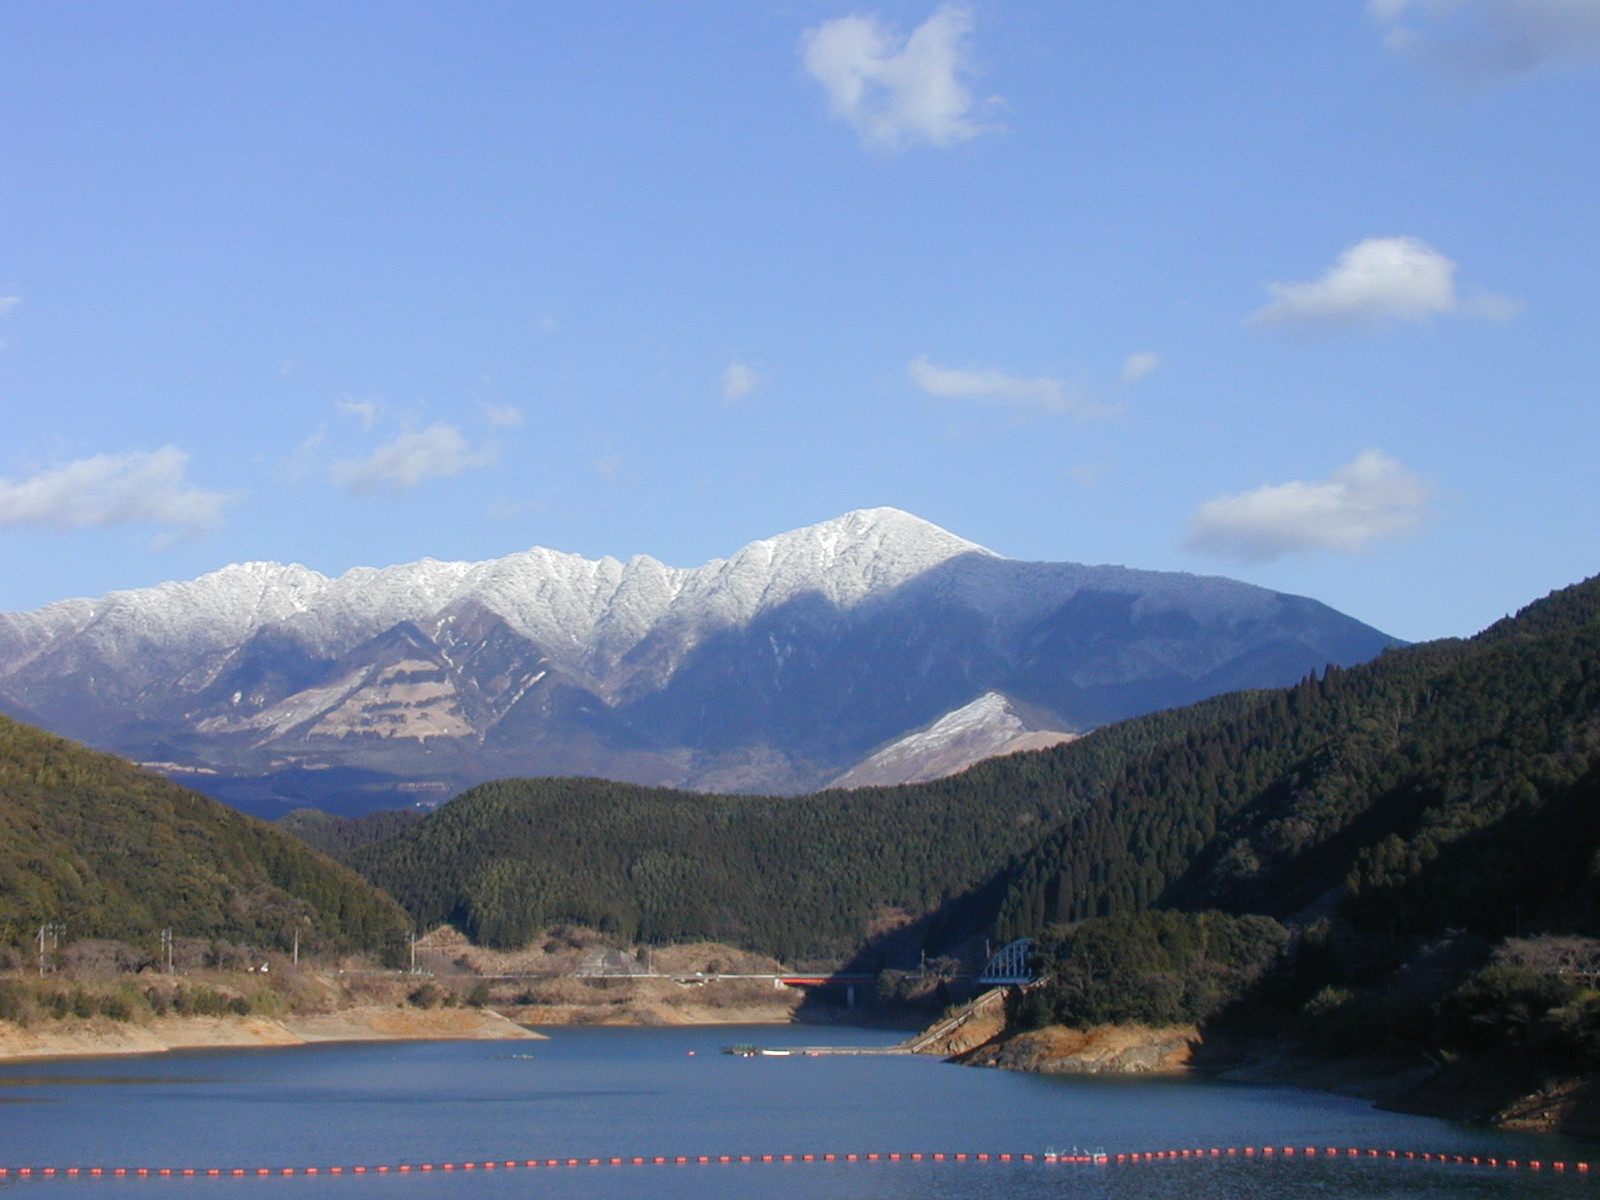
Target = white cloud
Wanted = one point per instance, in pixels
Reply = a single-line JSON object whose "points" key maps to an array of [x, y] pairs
{"points": [[503, 415], [113, 489], [1371, 498], [1375, 283], [432, 453], [738, 381], [365, 411], [897, 91], [1136, 366], [7, 303], [1491, 38], [1010, 391], [610, 466]]}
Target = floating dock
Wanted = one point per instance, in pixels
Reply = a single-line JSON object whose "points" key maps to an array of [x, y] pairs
{"points": [[749, 1051]]}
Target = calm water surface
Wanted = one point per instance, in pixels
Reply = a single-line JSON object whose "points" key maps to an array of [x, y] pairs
{"points": [[603, 1092]]}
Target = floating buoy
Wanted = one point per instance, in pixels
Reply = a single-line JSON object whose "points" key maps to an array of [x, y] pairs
{"points": [[1262, 1155]]}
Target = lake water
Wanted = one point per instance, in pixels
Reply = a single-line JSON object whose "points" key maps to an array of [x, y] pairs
{"points": [[627, 1092]]}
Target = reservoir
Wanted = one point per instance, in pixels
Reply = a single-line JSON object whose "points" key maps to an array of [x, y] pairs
{"points": [[631, 1092]]}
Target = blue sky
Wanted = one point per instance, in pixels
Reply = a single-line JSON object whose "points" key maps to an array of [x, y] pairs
{"points": [[1306, 294]]}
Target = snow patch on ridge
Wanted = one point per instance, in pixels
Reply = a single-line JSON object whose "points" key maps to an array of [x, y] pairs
{"points": [[987, 727]]}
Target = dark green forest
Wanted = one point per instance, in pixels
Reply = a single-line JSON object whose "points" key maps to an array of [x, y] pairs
{"points": [[801, 878], [108, 850], [1426, 826], [1447, 784]]}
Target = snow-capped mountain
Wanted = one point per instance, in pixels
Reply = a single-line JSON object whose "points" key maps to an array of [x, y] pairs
{"points": [[990, 726], [774, 669]]}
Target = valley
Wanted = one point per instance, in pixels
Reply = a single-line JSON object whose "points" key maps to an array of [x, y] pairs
{"points": [[1397, 856]]}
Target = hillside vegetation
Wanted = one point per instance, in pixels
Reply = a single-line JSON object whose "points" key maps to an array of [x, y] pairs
{"points": [[110, 851], [1420, 836], [799, 878], [1447, 785], [1451, 784]]}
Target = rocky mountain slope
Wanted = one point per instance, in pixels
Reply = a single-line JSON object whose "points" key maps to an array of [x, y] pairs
{"points": [[992, 725], [274, 686]]}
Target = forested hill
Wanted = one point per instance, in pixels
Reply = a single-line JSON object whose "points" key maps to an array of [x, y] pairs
{"points": [[802, 878], [1454, 784], [1450, 784], [111, 851]]}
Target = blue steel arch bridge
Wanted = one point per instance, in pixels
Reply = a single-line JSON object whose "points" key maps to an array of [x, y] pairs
{"points": [[1012, 965]]}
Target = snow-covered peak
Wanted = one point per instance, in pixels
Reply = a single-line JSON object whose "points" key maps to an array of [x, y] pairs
{"points": [[845, 560], [565, 602], [885, 533], [219, 608]]}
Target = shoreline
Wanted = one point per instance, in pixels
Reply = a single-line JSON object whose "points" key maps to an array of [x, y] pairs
{"points": [[1489, 1091], [96, 1037], [1491, 1094]]}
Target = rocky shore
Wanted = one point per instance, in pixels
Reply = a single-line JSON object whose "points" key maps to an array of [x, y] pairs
{"points": [[1497, 1091], [1104, 1050]]}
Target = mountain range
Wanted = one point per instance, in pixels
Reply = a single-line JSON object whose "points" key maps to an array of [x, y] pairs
{"points": [[778, 669]]}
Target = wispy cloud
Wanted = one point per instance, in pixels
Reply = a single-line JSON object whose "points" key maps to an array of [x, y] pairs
{"points": [[503, 415], [114, 489], [1368, 499], [7, 303], [365, 411], [1378, 282], [738, 381], [308, 456], [1489, 39], [1040, 394], [1136, 366], [897, 91], [413, 457]]}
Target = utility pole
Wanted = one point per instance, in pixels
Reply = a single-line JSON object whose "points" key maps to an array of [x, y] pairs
{"points": [[297, 945], [166, 947], [51, 932], [411, 940]]}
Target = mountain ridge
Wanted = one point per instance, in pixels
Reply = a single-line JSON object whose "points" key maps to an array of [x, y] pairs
{"points": [[774, 669]]}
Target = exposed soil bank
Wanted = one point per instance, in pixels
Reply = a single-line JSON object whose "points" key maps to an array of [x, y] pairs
{"points": [[575, 977], [101, 1035], [646, 1012]]}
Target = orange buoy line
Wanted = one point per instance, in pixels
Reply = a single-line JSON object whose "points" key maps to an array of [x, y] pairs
{"points": [[1074, 1156]]}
